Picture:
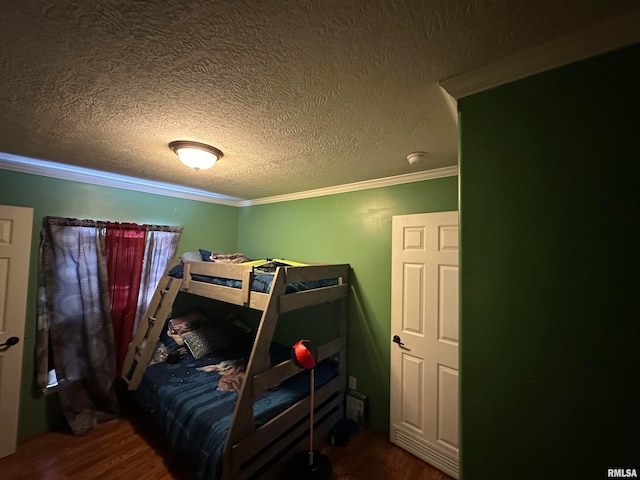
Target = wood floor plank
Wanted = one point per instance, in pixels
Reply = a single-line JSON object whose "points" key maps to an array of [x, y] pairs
{"points": [[136, 449]]}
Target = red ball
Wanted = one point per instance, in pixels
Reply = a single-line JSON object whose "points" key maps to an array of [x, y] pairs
{"points": [[302, 355]]}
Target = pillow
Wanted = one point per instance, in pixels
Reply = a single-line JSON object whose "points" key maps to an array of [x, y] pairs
{"points": [[191, 257], [186, 323], [205, 340], [175, 338], [205, 255], [175, 327], [170, 334], [177, 271]]}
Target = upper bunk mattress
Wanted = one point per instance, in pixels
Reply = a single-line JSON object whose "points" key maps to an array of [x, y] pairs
{"points": [[261, 281]]}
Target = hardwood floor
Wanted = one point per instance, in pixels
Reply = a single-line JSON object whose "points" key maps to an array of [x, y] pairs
{"points": [[118, 449], [370, 456], [124, 449]]}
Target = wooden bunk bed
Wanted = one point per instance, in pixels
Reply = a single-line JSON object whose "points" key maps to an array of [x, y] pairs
{"points": [[261, 451]]}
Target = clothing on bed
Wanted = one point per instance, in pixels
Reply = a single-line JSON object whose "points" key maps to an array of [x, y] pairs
{"points": [[229, 258], [231, 373]]}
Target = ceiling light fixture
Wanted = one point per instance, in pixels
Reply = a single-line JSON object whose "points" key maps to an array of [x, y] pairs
{"points": [[198, 156]]}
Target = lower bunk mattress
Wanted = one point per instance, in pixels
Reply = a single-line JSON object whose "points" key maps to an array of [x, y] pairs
{"points": [[196, 416]]}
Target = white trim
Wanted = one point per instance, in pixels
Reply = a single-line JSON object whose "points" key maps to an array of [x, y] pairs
{"points": [[617, 33], [354, 187], [34, 166], [451, 102], [76, 174]]}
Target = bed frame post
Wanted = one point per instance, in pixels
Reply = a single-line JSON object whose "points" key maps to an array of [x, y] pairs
{"points": [[259, 361]]}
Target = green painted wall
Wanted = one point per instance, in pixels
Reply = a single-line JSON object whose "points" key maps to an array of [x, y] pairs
{"points": [[204, 224], [550, 273], [352, 228]]}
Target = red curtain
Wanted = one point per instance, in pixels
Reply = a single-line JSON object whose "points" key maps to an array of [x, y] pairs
{"points": [[125, 252]]}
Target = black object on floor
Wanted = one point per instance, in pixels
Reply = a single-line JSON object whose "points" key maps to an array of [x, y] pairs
{"points": [[303, 468], [342, 432]]}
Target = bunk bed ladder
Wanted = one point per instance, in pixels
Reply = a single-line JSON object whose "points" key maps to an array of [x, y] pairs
{"points": [[146, 337]]}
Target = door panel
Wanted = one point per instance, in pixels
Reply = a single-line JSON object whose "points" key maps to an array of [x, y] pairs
{"points": [[448, 407], [413, 303], [412, 401], [448, 303]]}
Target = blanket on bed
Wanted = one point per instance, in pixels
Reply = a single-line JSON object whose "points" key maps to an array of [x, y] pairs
{"points": [[196, 415]]}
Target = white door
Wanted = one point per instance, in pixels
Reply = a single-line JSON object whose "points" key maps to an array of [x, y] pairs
{"points": [[15, 247], [424, 356]]}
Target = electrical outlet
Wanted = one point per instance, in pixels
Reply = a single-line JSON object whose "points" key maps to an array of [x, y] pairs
{"points": [[352, 383]]}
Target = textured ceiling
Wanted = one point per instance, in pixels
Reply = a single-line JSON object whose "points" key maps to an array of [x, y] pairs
{"points": [[299, 95]]}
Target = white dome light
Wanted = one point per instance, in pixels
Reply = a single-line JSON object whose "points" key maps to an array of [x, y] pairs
{"points": [[198, 156]]}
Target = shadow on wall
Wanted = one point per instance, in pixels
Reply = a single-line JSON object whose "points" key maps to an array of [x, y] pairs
{"points": [[368, 359]]}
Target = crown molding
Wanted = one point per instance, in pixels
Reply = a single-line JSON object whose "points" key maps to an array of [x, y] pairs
{"points": [[354, 187], [34, 166], [44, 168], [612, 35]]}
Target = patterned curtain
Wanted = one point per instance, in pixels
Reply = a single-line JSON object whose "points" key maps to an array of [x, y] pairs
{"points": [[161, 246], [74, 314], [75, 330]]}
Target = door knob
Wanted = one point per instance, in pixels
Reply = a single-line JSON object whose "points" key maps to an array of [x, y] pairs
{"points": [[396, 339], [10, 342]]}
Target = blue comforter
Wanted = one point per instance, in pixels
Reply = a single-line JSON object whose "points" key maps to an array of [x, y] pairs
{"points": [[196, 417]]}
